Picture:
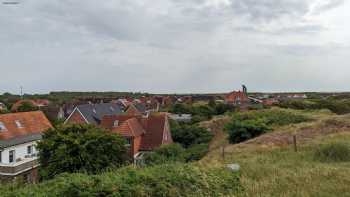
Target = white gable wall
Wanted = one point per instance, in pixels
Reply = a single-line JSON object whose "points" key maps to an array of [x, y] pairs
{"points": [[20, 152]]}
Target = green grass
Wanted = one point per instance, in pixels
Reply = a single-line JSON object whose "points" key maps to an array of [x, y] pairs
{"points": [[283, 172]]}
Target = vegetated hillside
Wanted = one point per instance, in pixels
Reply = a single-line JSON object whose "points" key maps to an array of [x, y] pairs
{"points": [[171, 180], [271, 167]]}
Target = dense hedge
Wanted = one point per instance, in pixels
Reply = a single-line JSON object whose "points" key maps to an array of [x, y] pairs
{"points": [[165, 180]]}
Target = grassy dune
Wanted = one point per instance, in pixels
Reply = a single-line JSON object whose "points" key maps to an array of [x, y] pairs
{"points": [[271, 167]]}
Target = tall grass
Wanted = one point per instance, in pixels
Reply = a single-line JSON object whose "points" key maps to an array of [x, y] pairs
{"points": [[334, 152]]}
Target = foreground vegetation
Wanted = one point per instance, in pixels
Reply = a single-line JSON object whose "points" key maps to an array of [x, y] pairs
{"points": [[171, 180]]}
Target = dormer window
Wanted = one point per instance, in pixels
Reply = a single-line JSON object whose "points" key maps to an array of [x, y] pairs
{"points": [[116, 123], [18, 124], [2, 127]]}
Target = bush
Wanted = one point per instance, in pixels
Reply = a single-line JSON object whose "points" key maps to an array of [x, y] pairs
{"points": [[240, 131], [272, 117], [79, 148], [196, 152], [188, 135], [27, 107], [165, 154], [157, 181], [335, 152]]}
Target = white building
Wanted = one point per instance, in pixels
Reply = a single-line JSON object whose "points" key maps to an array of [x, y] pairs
{"points": [[19, 133]]}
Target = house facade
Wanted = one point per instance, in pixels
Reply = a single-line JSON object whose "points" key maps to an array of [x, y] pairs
{"points": [[19, 133]]}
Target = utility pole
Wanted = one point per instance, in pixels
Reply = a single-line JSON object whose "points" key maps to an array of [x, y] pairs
{"points": [[21, 92]]}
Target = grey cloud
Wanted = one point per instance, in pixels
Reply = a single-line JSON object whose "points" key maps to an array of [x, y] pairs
{"points": [[164, 45]]}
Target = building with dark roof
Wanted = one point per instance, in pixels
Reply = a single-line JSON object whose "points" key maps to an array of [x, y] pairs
{"points": [[93, 113]]}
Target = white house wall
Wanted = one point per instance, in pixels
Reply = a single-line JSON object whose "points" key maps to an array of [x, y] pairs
{"points": [[20, 152]]}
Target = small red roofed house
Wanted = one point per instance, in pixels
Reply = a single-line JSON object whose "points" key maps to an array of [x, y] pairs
{"points": [[236, 98], [142, 133]]}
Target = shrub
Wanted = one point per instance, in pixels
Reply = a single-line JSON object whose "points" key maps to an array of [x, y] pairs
{"points": [[27, 107], [196, 152], [188, 135], [79, 148], [335, 152], [240, 131], [156, 181], [273, 117], [165, 154]]}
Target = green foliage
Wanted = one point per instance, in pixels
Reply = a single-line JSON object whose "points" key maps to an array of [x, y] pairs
{"points": [[26, 107], [334, 152], [179, 108], [251, 124], [334, 105], [222, 108], [176, 153], [196, 152], [79, 148], [201, 112], [166, 153], [240, 131], [171, 180], [188, 135], [273, 117]]}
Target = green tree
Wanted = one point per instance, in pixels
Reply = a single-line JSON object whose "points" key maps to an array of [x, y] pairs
{"points": [[26, 107], [79, 148], [240, 131], [188, 135], [166, 153]]}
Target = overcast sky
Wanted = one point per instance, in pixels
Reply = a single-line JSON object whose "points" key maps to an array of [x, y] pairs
{"points": [[168, 46]]}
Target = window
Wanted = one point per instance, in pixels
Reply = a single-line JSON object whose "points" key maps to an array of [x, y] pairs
{"points": [[18, 124], [115, 123], [30, 149], [12, 156], [2, 126]]}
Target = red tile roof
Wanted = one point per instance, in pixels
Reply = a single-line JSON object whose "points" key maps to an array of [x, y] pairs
{"points": [[31, 123], [107, 121], [130, 128], [152, 129], [155, 126], [235, 96]]}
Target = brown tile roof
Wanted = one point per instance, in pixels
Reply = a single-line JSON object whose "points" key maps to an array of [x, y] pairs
{"points": [[155, 128], [236, 96], [107, 121], [31, 123], [130, 128], [151, 129]]}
